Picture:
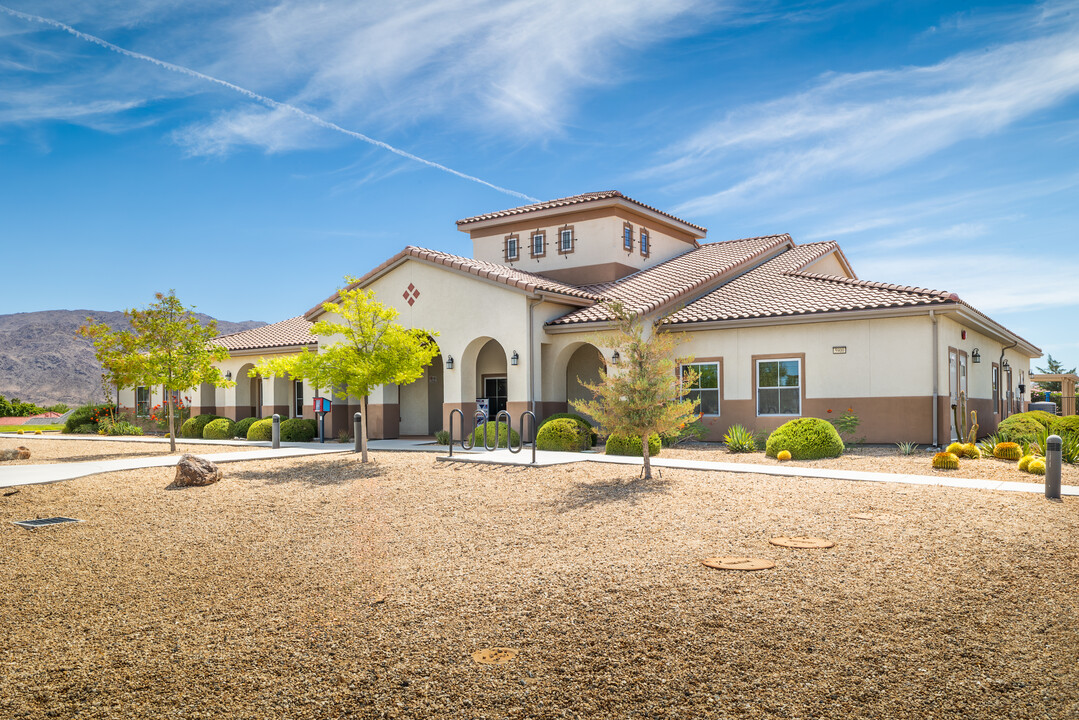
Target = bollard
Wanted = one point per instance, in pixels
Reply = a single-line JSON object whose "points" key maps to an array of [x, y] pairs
{"points": [[1052, 468], [276, 436], [356, 430]]}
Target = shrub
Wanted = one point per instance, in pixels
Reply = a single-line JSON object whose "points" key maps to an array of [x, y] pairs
{"points": [[85, 429], [946, 461], [563, 435], [739, 439], [1024, 462], [312, 424], [1007, 451], [1024, 427], [806, 439], [86, 415], [970, 450], [1047, 419], [193, 427], [907, 448], [442, 437], [988, 445], [631, 445], [243, 426], [585, 425], [106, 426], [783, 455], [219, 429], [1036, 467], [477, 434], [261, 430], [1066, 426], [296, 430]]}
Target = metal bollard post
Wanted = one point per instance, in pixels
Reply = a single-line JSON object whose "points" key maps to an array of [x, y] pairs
{"points": [[1052, 468], [356, 430], [276, 435]]}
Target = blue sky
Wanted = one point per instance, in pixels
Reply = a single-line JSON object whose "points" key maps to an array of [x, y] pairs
{"points": [[223, 156]]}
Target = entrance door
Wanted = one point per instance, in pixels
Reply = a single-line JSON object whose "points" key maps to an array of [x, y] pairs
{"points": [[494, 389], [953, 391]]}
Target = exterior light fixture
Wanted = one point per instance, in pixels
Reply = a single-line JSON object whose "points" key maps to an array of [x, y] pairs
{"points": [[1007, 365], [228, 375], [976, 356], [449, 362], [615, 357], [514, 358]]}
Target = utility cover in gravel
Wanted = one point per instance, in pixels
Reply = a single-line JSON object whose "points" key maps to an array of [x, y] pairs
{"points": [[802, 542], [494, 656], [738, 563]]}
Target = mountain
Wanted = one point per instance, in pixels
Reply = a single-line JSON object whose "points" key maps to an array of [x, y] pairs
{"points": [[42, 360]]}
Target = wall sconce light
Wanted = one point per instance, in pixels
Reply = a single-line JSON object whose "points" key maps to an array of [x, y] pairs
{"points": [[228, 375], [615, 357], [514, 358], [976, 356], [1007, 365], [449, 362]]}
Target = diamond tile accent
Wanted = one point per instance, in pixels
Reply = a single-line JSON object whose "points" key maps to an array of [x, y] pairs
{"points": [[411, 295]]}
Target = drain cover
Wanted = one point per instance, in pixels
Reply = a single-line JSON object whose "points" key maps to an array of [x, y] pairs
{"points": [[494, 656], [738, 563], [802, 542], [43, 522]]}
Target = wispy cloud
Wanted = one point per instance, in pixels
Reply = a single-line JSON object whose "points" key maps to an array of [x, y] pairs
{"points": [[866, 124]]}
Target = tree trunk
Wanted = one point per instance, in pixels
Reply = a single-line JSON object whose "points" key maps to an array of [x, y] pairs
{"points": [[172, 423], [647, 460], [363, 429]]}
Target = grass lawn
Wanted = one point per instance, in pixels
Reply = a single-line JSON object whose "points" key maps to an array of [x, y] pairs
{"points": [[29, 429], [322, 588]]}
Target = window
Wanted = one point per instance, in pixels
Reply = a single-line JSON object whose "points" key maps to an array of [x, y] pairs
{"points": [[779, 387], [538, 245], [565, 241], [644, 243], [142, 402], [627, 237], [299, 398], [996, 389], [706, 388], [512, 250]]}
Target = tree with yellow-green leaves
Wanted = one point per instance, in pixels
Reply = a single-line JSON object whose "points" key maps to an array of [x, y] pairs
{"points": [[645, 395], [166, 346], [363, 348]]}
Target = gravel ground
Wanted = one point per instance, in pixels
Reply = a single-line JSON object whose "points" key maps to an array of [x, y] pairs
{"points": [[877, 458], [322, 588], [65, 451]]}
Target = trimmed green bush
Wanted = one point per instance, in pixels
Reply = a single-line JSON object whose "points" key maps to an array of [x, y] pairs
{"points": [[477, 435], [631, 445], [1047, 419], [243, 426], [297, 430], [261, 430], [120, 427], [442, 437], [219, 429], [806, 438], [1066, 426], [193, 427], [563, 435], [84, 429], [1021, 428], [592, 435], [85, 415]]}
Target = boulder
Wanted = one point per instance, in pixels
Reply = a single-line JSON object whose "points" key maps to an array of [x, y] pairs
{"points": [[19, 453], [193, 471]]}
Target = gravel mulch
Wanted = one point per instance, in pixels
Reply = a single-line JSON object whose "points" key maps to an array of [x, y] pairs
{"points": [[877, 458], [65, 451], [318, 587]]}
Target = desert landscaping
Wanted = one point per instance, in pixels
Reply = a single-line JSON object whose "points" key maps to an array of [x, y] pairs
{"points": [[324, 588]]}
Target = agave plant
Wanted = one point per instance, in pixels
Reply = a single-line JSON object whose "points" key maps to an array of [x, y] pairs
{"points": [[907, 448], [988, 445], [739, 439]]}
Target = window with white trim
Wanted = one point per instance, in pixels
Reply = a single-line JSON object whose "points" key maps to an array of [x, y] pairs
{"points": [[779, 387], [645, 249], [538, 243], [565, 241], [705, 388], [627, 237], [512, 251], [142, 402], [298, 384]]}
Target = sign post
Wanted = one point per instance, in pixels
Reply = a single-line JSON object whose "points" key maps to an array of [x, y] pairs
{"points": [[321, 406]]}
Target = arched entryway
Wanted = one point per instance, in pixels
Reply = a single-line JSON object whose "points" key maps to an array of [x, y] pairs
{"points": [[421, 401], [248, 393], [207, 399], [492, 383], [583, 366]]}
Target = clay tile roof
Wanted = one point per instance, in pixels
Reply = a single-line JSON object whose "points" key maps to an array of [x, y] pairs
{"points": [[287, 333], [683, 276], [780, 287], [572, 200]]}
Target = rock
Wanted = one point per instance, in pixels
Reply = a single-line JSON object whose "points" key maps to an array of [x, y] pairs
{"points": [[195, 471], [19, 453]]}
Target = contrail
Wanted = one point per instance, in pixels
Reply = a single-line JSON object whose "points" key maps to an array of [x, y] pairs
{"points": [[262, 99]]}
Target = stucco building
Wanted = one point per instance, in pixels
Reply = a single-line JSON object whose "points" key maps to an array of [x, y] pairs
{"points": [[776, 329]]}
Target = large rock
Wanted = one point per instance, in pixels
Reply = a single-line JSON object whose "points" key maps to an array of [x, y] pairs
{"points": [[195, 471], [19, 453]]}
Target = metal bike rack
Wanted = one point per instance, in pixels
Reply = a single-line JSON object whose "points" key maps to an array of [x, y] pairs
{"points": [[480, 418]]}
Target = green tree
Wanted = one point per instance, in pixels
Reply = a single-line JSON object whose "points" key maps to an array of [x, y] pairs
{"points": [[370, 350], [166, 346], [1055, 367], [645, 395]]}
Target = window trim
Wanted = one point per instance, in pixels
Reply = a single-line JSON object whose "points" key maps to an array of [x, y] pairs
{"points": [[995, 381], [627, 236], [149, 401], [754, 369], [517, 247], [297, 398], [645, 242], [532, 243], [572, 240], [718, 362]]}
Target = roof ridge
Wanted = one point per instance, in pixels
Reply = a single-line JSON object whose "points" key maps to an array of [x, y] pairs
{"points": [[876, 285]]}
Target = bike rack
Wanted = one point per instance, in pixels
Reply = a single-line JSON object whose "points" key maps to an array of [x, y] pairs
{"points": [[480, 418]]}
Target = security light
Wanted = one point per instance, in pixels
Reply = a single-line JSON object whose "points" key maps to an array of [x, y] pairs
{"points": [[514, 358], [976, 356], [449, 362], [615, 357]]}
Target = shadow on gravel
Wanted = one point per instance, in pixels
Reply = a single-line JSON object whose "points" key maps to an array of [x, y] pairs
{"points": [[336, 471], [585, 495]]}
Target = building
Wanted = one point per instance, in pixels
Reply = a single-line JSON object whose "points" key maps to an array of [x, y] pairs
{"points": [[777, 330]]}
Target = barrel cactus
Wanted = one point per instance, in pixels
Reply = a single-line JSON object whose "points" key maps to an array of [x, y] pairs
{"points": [[1007, 451], [1024, 463], [783, 455], [1037, 466], [970, 450], [946, 461], [956, 448]]}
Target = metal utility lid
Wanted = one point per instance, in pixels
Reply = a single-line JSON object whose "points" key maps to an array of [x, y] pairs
{"points": [[43, 522]]}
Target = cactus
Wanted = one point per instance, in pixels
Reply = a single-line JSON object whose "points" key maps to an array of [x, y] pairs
{"points": [[1024, 462], [972, 436], [971, 451], [1037, 466], [946, 461], [1007, 451], [956, 448], [967, 433], [783, 455]]}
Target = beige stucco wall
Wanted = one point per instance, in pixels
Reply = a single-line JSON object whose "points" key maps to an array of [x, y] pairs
{"points": [[827, 265]]}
